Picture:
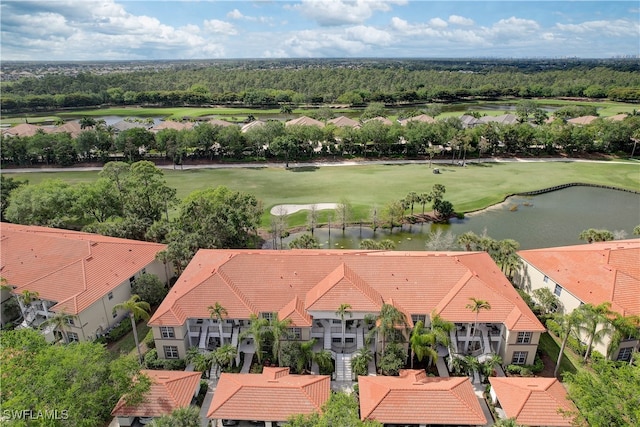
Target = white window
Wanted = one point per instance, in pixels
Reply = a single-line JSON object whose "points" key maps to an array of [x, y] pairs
{"points": [[524, 338], [171, 352], [415, 318], [624, 354], [296, 333], [266, 315], [72, 337], [557, 290], [167, 332], [519, 357]]}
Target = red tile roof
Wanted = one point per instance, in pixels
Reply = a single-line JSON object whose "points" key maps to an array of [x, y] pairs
{"points": [[304, 121], [421, 118], [273, 395], [72, 268], [170, 390], [533, 401], [254, 281], [343, 121], [582, 120], [414, 398], [594, 273]]}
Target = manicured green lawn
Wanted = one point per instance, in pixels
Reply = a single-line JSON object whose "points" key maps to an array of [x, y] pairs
{"points": [[549, 345], [126, 344], [470, 188]]}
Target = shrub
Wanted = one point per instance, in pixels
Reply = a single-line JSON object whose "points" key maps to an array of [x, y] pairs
{"points": [[119, 331], [149, 288], [514, 369], [148, 340]]}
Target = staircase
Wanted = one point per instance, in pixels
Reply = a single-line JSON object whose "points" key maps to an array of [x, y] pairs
{"points": [[204, 331], [327, 338], [343, 367], [359, 338]]}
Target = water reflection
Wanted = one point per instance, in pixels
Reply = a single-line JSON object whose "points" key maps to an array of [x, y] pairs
{"points": [[546, 220]]}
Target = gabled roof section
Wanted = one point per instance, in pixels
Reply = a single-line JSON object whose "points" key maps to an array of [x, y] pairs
{"points": [[594, 273], [71, 268], [305, 121], [381, 119], [618, 117], [533, 401], [171, 124], [273, 395], [218, 122], [423, 118], [505, 119], [72, 128], [340, 286], [170, 390], [295, 311], [414, 398], [343, 121], [582, 120], [23, 129], [251, 125]]}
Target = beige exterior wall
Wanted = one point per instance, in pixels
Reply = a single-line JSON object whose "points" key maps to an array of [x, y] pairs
{"points": [[180, 341], [531, 279], [512, 346]]}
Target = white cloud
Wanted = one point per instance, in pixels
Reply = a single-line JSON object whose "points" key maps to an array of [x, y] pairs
{"points": [[235, 14], [438, 23], [220, 27], [617, 28], [340, 12], [460, 20], [369, 35]]}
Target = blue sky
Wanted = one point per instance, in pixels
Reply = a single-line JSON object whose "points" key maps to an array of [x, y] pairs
{"points": [[130, 30]]}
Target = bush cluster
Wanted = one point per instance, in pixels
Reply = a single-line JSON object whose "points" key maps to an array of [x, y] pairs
{"points": [[151, 361], [572, 342], [119, 331]]}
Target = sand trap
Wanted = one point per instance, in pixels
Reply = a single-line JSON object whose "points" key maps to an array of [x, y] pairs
{"points": [[289, 209]]}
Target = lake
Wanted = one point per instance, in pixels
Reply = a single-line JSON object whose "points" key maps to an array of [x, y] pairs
{"points": [[546, 220]]}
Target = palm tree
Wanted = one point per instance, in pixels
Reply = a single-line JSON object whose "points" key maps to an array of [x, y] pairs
{"points": [[306, 355], [203, 362], [441, 329], [225, 355], [360, 362], [422, 343], [568, 324], [324, 361], [217, 312], [388, 321], [137, 310], [278, 329], [342, 311], [623, 327], [60, 321], [476, 306], [489, 365], [590, 318], [257, 329], [468, 240]]}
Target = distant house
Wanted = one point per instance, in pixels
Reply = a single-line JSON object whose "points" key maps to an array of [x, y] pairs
{"points": [[170, 124], [382, 120], [589, 274], [272, 396], [416, 399], [469, 121], [617, 117], [72, 128], [218, 122], [582, 120], [170, 390], [423, 118], [251, 125], [532, 401], [81, 274], [343, 121], [305, 121], [23, 129], [505, 119], [123, 125]]}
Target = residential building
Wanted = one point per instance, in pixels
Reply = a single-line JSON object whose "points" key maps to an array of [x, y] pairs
{"points": [[272, 396], [343, 121], [169, 390], [81, 274], [589, 274], [305, 121], [381, 119], [582, 120], [308, 287], [416, 399], [532, 401], [422, 118]]}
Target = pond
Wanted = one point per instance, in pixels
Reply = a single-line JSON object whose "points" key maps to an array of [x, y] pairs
{"points": [[546, 220]]}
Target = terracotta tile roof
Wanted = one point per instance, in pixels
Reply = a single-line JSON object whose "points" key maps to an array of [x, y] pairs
{"points": [[421, 118], [414, 398], [218, 122], [382, 120], [468, 120], [72, 128], [594, 273], [254, 281], [533, 401], [170, 124], [23, 129], [251, 125], [169, 390], [304, 121], [273, 395], [72, 268], [582, 120], [506, 119], [295, 311], [618, 117], [343, 121]]}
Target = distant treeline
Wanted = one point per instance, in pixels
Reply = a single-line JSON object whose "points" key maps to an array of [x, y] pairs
{"points": [[269, 83]]}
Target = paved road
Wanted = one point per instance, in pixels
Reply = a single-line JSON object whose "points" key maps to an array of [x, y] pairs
{"points": [[328, 164]]}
